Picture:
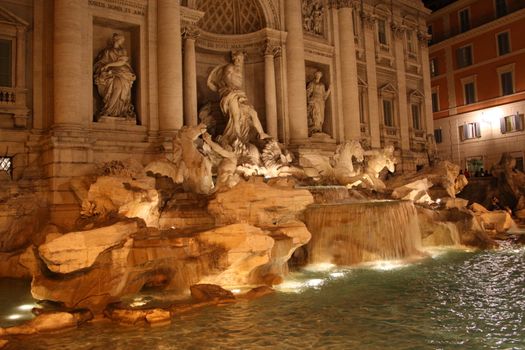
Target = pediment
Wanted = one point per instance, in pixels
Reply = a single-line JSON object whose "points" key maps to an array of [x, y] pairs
{"points": [[7, 17], [388, 88], [416, 94]]}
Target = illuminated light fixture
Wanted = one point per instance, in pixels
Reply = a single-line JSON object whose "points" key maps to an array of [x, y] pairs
{"points": [[14, 317], [26, 307]]}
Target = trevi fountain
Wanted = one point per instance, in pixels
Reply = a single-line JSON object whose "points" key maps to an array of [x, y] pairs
{"points": [[233, 237]]}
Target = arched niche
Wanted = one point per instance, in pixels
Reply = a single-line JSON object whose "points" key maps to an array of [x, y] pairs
{"points": [[216, 42]]}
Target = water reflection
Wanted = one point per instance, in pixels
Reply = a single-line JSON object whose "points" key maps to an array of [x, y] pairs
{"points": [[458, 300]]}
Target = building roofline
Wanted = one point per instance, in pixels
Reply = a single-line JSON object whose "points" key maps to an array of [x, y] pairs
{"points": [[478, 30]]}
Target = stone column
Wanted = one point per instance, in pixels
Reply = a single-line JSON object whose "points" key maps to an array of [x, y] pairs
{"points": [[404, 114], [67, 56], [423, 38], [270, 94], [371, 77], [169, 62], [189, 35], [296, 71], [349, 84]]}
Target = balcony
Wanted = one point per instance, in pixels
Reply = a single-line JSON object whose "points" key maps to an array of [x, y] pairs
{"points": [[13, 102]]}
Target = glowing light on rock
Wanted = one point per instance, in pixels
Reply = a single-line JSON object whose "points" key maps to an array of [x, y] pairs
{"points": [[235, 291], [14, 317], [321, 267], [26, 307]]}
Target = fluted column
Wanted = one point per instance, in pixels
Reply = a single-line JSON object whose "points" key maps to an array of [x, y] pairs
{"points": [[270, 93], [169, 62], [350, 89], [371, 76], [67, 56], [189, 35], [295, 67], [423, 38], [404, 117]]}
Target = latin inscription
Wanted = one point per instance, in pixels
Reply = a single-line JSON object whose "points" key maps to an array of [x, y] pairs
{"points": [[123, 6]]}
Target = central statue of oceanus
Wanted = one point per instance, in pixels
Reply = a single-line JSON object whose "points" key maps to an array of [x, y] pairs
{"points": [[243, 123]]}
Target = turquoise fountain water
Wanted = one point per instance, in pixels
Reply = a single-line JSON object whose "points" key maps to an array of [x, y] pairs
{"points": [[455, 300]]}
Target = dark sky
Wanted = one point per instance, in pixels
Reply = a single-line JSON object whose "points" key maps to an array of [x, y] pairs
{"points": [[437, 4]]}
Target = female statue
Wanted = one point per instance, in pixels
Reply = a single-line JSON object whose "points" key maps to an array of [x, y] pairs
{"points": [[114, 78], [316, 95]]}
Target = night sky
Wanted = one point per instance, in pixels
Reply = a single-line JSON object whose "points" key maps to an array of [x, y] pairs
{"points": [[437, 4]]}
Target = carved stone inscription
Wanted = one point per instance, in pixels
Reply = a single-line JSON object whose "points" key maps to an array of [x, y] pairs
{"points": [[124, 6]]}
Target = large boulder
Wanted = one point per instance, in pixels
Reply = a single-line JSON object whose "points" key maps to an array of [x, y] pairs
{"points": [[442, 227], [441, 178], [79, 250], [102, 265], [259, 204], [124, 188]]}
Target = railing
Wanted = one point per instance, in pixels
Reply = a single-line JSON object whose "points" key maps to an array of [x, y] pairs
{"points": [[418, 134], [7, 96], [390, 131]]}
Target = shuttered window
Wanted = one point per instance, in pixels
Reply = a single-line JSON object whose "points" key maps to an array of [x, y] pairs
{"points": [[469, 131], [511, 123]]}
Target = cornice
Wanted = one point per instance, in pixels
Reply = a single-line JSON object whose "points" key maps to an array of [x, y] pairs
{"points": [[479, 30]]}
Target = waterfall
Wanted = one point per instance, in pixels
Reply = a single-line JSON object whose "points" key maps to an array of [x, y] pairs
{"points": [[350, 233]]}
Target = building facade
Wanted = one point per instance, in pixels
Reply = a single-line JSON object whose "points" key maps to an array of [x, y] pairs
{"points": [[477, 60], [373, 56]]}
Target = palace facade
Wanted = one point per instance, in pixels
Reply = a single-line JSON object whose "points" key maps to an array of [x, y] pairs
{"points": [[372, 54]]}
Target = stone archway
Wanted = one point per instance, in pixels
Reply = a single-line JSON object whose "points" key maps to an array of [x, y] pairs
{"points": [[233, 17]]}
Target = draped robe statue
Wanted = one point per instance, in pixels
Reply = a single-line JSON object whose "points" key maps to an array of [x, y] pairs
{"points": [[114, 78], [243, 122]]}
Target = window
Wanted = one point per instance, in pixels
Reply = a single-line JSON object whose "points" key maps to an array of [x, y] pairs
{"points": [[416, 117], [434, 67], [501, 8], [511, 123], [355, 25], [435, 102], [6, 164], [362, 104], [381, 32], [438, 136], [503, 43], [464, 20], [388, 113], [5, 63], [469, 131], [470, 92], [507, 85], [464, 56], [429, 31], [411, 46]]}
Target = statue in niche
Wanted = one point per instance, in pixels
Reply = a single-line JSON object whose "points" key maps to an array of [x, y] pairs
{"points": [[243, 121], [316, 94], [114, 78], [313, 16]]}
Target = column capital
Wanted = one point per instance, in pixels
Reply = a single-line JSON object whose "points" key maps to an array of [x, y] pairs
{"points": [[190, 32], [423, 38], [369, 20], [337, 4], [269, 48], [398, 29]]}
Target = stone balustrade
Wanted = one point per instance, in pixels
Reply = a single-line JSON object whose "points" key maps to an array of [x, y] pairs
{"points": [[7, 96]]}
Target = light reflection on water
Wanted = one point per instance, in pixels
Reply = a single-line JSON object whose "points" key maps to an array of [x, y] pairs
{"points": [[457, 300]]}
